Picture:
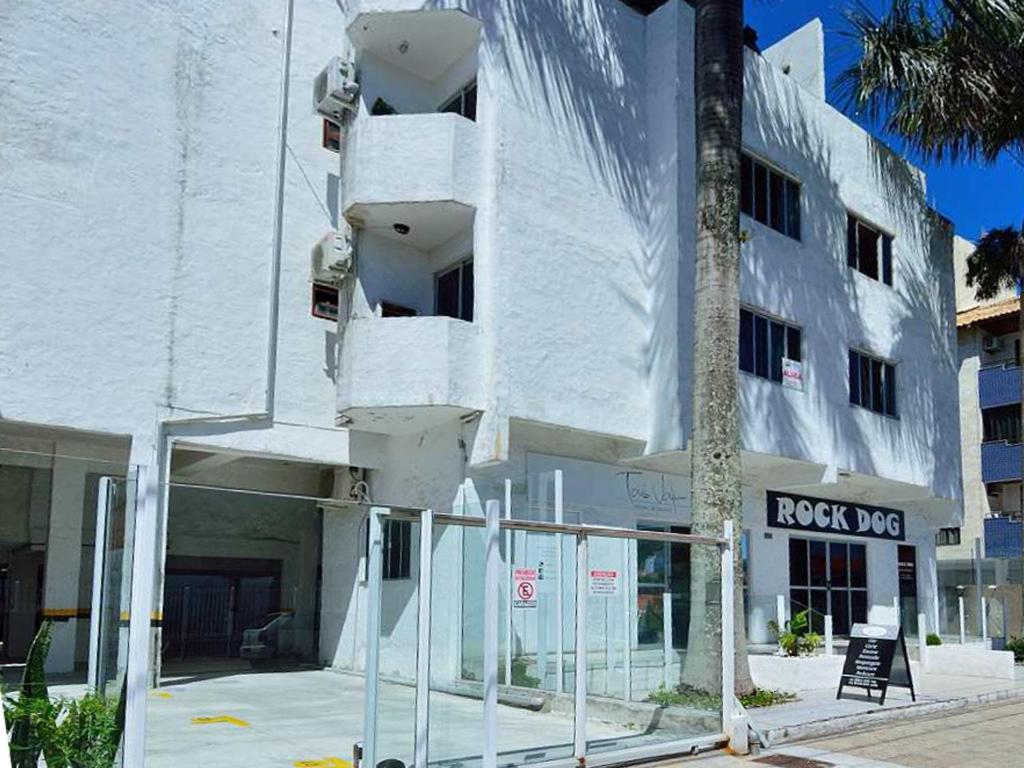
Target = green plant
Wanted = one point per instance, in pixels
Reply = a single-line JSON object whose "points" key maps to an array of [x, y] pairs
{"points": [[30, 711], [795, 637], [933, 639], [1016, 644], [68, 733], [688, 696], [520, 676]]}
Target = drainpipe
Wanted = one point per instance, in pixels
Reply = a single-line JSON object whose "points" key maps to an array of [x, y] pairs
{"points": [[167, 429]]}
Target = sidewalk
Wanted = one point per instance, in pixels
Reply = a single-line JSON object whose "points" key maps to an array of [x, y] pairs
{"points": [[818, 713]]}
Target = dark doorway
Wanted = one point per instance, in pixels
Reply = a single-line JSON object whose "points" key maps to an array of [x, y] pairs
{"points": [[828, 577], [210, 602], [906, 555]]}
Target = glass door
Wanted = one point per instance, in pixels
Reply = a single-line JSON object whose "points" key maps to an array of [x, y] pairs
{"points": [[829, 578], [906, 555]]}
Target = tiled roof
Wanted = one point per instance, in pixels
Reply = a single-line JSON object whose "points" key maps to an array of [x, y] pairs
{"points": [[987, 312]]}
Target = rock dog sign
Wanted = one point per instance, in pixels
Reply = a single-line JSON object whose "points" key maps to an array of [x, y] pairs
{"points": [[805, 513]]}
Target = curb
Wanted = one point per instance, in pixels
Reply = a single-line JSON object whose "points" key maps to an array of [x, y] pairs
{"points": [[786, 734]]}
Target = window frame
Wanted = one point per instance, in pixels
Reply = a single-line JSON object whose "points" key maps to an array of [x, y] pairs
{"points": [[388, 528], [459, 266], [883, 249], [770, 324], [460, 96], [754, 169], [319, 314], [948, 537], [886, 385]]}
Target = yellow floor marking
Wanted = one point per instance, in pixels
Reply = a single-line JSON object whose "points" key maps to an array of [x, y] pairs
{"points": [[327, 762], [220, 719], [161, 694]]}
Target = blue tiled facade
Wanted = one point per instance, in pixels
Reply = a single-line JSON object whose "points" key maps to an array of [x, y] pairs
{"points": [[1000, 462], [1003, 537], [999, 385]]}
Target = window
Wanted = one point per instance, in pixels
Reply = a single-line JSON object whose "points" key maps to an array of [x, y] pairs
{"points": [[387, 309], [873, 384], [947, 537], [325, 301], [829, 578], [396, 549], [764, 343], [769, 197], [1002, 423], [462, 103], [332, 136], [868, 250], [454, 291], [662, 568]]}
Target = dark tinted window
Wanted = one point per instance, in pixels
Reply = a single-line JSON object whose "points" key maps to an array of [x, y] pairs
{"points": [[448, 293], [1001, 423], [873, 384], [769, 197], [765, 343], [868, 250]]}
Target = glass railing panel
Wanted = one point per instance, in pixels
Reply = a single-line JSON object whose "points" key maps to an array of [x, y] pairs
{"points": [[650, 679]]}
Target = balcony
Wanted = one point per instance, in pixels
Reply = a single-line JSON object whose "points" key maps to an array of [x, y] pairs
{"points": [[420, 171], [1000, 462], [401, 375], [1003, 537], [999, 385]]}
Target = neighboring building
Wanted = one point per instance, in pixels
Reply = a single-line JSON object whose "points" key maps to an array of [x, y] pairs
{"points": [[982, 557], [520, 303]]}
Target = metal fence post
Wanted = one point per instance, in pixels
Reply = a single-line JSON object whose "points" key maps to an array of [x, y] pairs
{"points": [[374, 573], [728, 639], [666, 613], [423, 638], [492, 564], [829, 644], [963, 627], [582, 570], [509, 565], [560, 594], [99, 563]]}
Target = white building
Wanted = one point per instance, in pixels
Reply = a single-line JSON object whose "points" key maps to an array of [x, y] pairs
{"points": [[521, 302]]}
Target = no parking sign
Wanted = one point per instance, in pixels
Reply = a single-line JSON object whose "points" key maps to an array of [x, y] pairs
{"points": [[524, 588]]}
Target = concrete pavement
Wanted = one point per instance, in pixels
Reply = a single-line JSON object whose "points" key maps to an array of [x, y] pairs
{"points": [[982, 737]]}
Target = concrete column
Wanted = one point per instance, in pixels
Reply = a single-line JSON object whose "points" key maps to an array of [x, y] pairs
{"points": [[64, 559]]}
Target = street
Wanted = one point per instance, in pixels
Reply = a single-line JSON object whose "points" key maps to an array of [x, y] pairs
{"points": [[982, 737]]}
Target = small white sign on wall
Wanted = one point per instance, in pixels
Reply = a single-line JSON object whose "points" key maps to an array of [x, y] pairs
{"points": [[792, 373], [604, 583], [524, 588]]}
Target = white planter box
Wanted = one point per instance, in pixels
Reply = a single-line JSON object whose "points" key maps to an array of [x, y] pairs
{"points": [[796, 673], [968, 661]]}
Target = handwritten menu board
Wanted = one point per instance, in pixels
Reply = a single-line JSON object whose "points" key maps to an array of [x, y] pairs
{"points": [[875, 659]]}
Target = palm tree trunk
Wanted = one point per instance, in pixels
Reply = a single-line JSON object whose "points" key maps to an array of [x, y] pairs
{"points": [[715, 453]]}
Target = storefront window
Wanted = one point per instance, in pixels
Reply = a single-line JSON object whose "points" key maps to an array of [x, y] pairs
{"points": [[662, 568], [829, 578]]}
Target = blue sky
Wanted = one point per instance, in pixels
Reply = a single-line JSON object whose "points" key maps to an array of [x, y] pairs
{"points": [[974, 196]]}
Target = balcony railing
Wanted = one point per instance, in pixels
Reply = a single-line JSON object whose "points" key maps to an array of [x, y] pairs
{"points": [[1000, 462], [999, 385]]}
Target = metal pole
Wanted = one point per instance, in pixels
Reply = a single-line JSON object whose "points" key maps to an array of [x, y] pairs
{"points": [[666, 624], [977, 580], [922, 641], [829, 645], [780, 611], [728, 639], [374, 568], [983, 619], [423, 639], [963, 629], [582, 569], [629, 625], [559, 602], [509, 565], [99, 560], [492, 564], [143, 579]]}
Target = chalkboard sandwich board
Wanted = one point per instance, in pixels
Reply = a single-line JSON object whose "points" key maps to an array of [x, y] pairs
{"points": [[875, 659]]}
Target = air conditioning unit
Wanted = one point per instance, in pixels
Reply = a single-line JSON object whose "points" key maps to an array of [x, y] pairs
{"points": [[331, 259], [335, 90], [992, 344]]}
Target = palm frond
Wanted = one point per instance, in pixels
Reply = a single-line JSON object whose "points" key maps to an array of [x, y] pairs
{"points": [[941, 74], [995, 264]]}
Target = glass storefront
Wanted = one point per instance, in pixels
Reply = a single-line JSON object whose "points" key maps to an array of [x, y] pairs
{"points": [[829, 578]]}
